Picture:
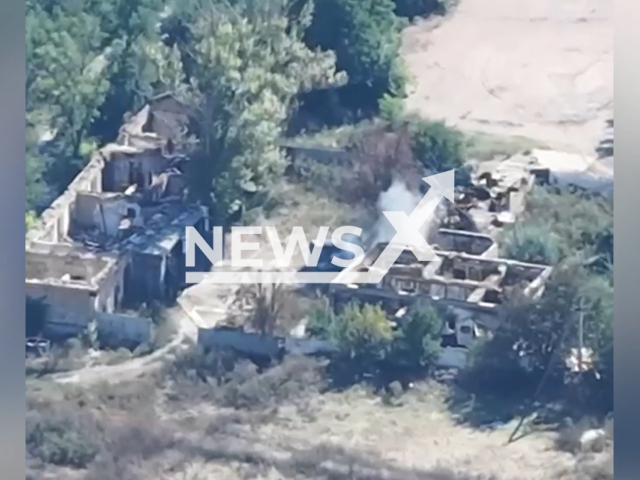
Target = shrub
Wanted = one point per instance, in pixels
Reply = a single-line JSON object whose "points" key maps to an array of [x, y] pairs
{"points": [[63, 437], [379, 156], [419, 337], [435, 145], [581, 222], [291, 380], [391, 108], [360, 331], [531, 243]]}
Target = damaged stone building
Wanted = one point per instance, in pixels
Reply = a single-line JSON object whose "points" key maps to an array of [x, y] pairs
{"points": [[468, 279], [114, 237]]}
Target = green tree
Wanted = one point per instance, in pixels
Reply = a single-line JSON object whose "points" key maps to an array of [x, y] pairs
{"points": [[531, 243], [35, 187], [365, 36], [249, 62], [419, 337], [128, 26], [437, 146], [534, 329], [359, 331], [66, 80]]}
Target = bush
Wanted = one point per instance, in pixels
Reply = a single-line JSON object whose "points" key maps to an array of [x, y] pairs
{"points": [[291, 380], [435, 145], [532, 244], [418, 340], [379, 156], [223, 378], [63, 437], [582, 223], [359, 331]]}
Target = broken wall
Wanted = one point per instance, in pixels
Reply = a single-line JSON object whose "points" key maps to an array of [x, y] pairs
{"points": [[237, 339], [105, 212], [53, 224], [127, 166], [73, 305], [466, 242], [75, 301], [112, 288], [46, 266], [116, 330]]}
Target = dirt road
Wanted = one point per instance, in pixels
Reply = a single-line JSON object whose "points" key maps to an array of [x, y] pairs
{"points": [[536, 69], [129, 370]]}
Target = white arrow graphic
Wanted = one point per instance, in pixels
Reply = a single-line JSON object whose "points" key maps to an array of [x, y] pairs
{"points": [[408, 228], [407, 236]]}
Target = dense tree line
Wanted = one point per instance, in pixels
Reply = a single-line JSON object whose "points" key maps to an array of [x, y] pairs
{"points": [[246, 66]]}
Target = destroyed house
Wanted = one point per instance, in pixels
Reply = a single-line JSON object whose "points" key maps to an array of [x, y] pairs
{"points": [[472, 286], [115, 236]]}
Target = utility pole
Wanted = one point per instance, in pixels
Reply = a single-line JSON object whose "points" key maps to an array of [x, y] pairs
{"points": [[580, 335]]}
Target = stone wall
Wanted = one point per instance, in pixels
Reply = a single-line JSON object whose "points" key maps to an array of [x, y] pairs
{"points": [[244, 342], [116, 330]]}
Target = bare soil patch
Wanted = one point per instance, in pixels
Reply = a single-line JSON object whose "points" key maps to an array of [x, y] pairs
{"points": [[540, 70]]}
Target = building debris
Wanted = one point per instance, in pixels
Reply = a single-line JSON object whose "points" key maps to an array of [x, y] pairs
{"points": [[114, 237]]}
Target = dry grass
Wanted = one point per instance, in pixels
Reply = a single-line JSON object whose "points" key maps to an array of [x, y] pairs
{"points": [[484, 146], [278, 425]]}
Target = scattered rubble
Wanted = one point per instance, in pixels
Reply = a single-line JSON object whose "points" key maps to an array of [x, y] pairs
{"points": [[114, 237]]}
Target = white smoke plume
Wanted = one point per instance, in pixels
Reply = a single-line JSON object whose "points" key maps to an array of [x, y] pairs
{"points": [[397, 198]]}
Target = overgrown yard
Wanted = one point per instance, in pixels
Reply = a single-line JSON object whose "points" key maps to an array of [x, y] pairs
{"points": [[204, 419]]}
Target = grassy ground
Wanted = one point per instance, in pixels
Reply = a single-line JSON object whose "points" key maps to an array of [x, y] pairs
{"points": [[277, 425]]}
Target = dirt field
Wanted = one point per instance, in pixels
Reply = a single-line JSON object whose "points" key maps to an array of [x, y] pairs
{"points": [[536, 69]]}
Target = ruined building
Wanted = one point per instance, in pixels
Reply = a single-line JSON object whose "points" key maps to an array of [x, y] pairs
{"points": [[114, 237], [468, 279]]}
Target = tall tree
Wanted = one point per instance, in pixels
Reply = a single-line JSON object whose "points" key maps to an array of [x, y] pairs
{"points": [[66, 81], [249, 62], [365, 36], [128, 25]]}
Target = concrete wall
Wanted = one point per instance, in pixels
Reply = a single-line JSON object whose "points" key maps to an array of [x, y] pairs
{"points": [[112, 288], [76, 302], [466, 242], [325, 155], [132, 166], [123, 330], [245, 342], [72, 305], [43, 266], [53, 225]]}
